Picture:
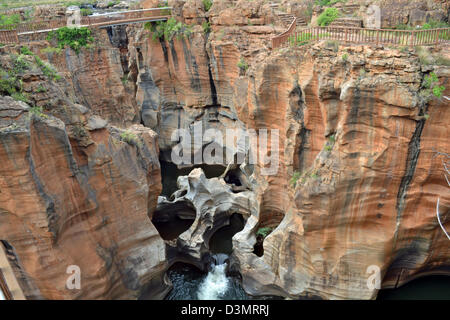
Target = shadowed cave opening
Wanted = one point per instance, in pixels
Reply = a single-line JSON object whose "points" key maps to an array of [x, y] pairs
{"points": [[221, 240], [174, 219], [433, 287]]}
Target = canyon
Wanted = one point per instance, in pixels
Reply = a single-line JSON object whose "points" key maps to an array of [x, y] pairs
{"points": [[86, 168]]}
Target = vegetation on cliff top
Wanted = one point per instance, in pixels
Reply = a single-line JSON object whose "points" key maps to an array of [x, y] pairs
{"points": [[75, 38], [11, 76], [168, 29]]}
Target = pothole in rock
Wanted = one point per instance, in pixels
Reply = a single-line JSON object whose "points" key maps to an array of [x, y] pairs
{"points": [[174, 219], [221, 240]]}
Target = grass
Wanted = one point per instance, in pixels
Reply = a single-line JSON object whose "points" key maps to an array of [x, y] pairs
{"points": [[304, 38]]}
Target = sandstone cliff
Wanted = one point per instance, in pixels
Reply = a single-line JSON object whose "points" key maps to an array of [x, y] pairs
{"points": [[352, 121], [74, 193]]}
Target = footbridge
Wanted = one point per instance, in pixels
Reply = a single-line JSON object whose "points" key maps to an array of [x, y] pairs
{"points": [[12, 34]]}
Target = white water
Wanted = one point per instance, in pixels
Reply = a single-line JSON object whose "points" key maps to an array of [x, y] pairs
{"points": [[215, 284]]}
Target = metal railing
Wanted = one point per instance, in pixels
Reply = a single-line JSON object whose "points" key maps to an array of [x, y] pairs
{"points": [[362, 35], [11, 35]]}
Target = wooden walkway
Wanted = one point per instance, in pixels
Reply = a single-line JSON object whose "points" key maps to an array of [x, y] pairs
{"points": [[292, 37], [95, 21]]}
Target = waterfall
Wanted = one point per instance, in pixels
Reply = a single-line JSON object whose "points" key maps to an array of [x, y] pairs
{"points": [[216, 283]]}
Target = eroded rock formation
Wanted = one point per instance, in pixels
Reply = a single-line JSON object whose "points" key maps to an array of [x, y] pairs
{"points": [[352, 120], [74, 193]]}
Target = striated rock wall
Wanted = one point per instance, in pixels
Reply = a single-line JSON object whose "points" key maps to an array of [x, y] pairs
{"points": [[351, 120], [73, 192], [360, 134]]}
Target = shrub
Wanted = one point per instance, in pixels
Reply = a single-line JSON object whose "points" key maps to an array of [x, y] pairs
{"points": [[206, 26], [46, 69], [328, 16], [37, 111], [403, 26], [362, 72], [26, 51], [431, 86], [9, 21], [41, 88], [295, 176], [20, 64], [86, 11], [75, 38], [264, 232], [344, 57], [435, 24], [242, 64], [10, 85], [207, 4], [314, 175], [324, 3], [128, 137], [168, 29], [51, 50]]}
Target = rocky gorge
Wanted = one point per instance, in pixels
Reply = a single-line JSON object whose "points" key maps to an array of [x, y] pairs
{"points": [[86, 169]]}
